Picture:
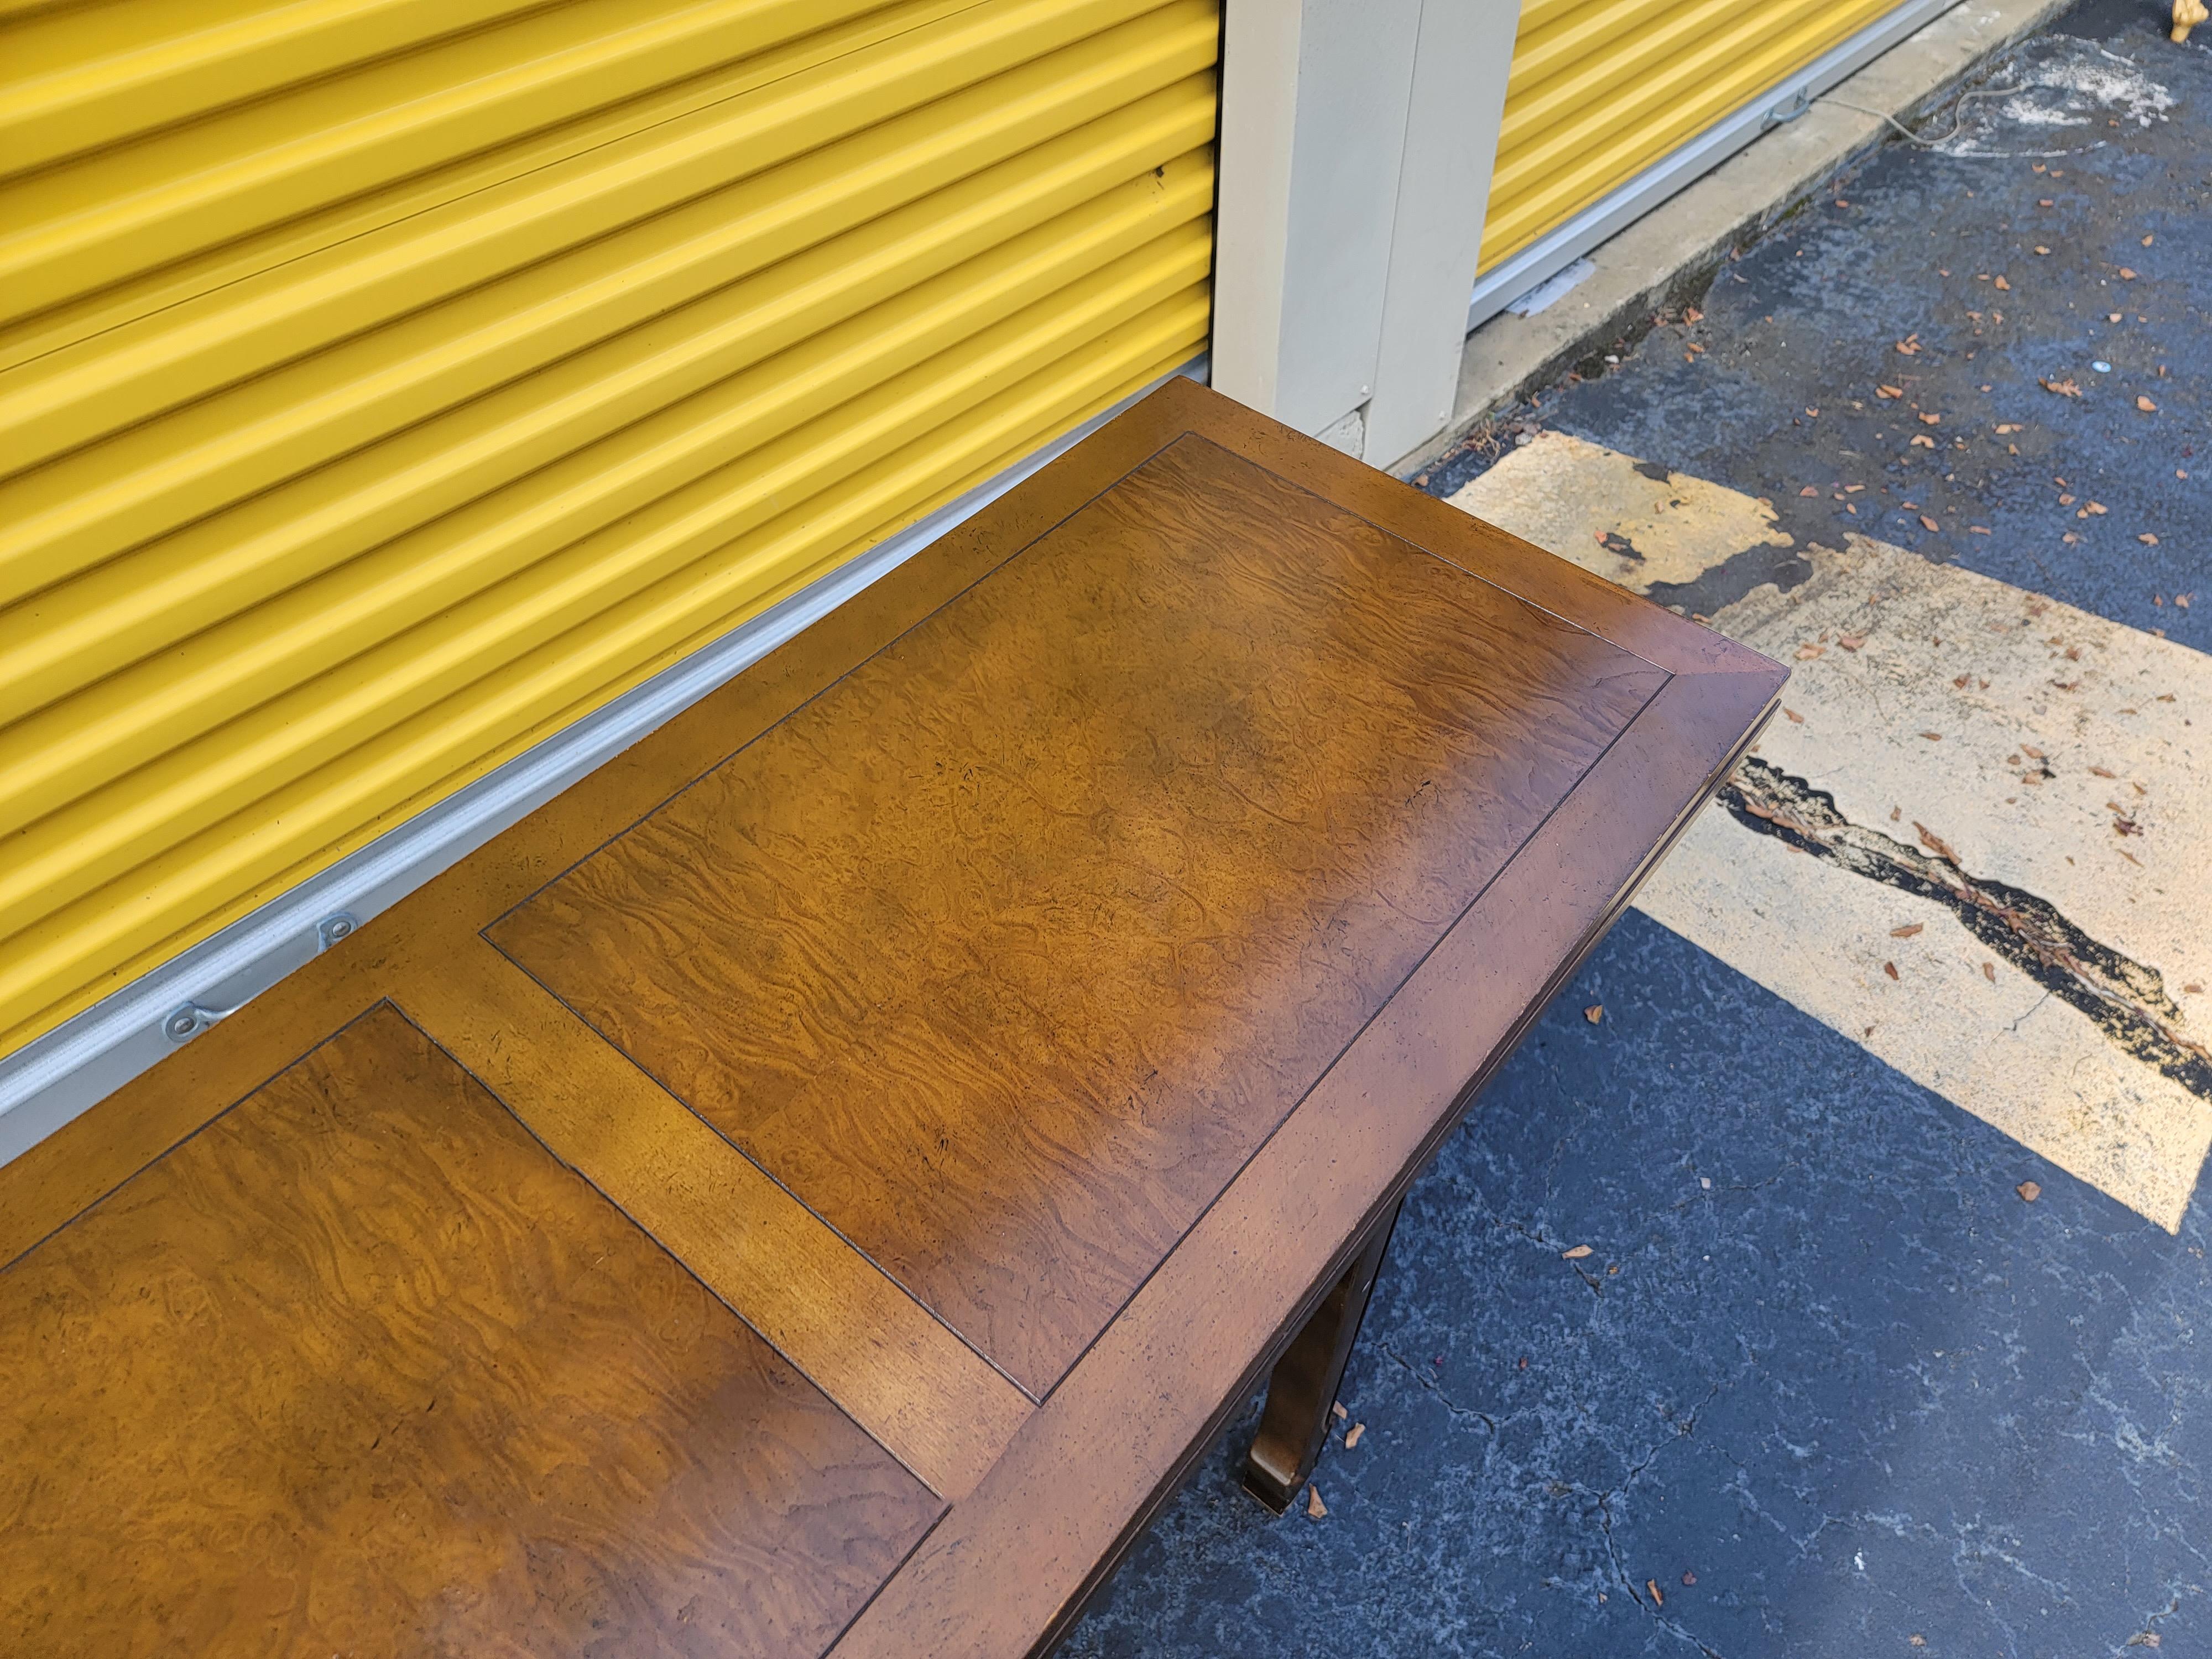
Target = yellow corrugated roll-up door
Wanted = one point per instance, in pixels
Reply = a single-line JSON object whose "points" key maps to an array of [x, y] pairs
{"points": [[1598, 92], [385, 384]]}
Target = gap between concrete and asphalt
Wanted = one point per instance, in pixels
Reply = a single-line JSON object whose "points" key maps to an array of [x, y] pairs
{"points": [[1669, 256]]}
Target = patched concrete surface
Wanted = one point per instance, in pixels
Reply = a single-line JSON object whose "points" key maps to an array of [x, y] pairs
{"points": [[2049, 752], [1629, 520]]}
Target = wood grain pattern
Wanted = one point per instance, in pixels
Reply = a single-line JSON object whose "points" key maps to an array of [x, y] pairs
{"points": [[1007, 950], [361, 1368], [905, 1378]]}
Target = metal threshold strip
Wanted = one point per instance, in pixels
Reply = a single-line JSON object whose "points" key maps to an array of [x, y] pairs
{"points": [[60, 1073], [1498, 288]]}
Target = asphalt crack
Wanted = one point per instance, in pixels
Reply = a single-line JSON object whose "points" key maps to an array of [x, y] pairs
{"points": [[2124, 999]]}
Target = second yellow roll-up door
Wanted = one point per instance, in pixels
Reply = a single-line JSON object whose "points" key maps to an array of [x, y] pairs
{"points": [[386, 384], [1598, 92]]}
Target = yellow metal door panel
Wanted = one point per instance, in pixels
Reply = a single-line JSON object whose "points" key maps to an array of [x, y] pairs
{"points": [[220, 263], [1597, 95], [121, 610], [84, 392], [125, 719], [358, 434], [83, 79]]}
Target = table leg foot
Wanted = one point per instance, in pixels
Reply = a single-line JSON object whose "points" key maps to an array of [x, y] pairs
{"points": [[1294, 1424]]}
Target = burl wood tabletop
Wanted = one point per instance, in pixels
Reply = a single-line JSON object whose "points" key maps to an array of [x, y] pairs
{"points": [[820, 1182]]}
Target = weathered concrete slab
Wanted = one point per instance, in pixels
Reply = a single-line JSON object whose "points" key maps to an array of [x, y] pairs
{"points": [[1976, 843]]}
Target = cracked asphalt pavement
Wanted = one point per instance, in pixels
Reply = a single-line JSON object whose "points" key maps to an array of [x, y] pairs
{"points": [[1887, 1141]]}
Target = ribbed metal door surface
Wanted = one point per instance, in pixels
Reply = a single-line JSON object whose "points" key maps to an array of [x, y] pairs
{"points": [[1598, 92], [386, 383]]}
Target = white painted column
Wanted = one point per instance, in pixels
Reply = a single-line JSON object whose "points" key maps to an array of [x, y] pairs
{"points": [[1357, 142], [1443, 194]]}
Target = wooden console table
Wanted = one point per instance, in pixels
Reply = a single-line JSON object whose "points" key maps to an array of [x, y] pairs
{"points": [[816, 1185]]}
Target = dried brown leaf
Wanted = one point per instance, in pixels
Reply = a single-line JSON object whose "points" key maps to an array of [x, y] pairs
{"points": [[1911, 930], [1314, 1507], [2029, 1190], [1889, 968], [1594, 1012], [2064, 388], [1351, 1435], [1575, 1253], [1936, 844]]}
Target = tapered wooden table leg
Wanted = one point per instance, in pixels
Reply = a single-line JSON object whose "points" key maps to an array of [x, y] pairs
{"points": [[1302, 1388]]}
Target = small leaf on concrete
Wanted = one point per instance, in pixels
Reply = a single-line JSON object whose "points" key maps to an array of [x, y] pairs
{"points": [[2146, 405], [1936, 844], [1658, 1600], [1911, 930], [1889, 968], [1314, 1507], [1575, 1253], [1351, 1435], [1594, 1012], [2029, 1190]]}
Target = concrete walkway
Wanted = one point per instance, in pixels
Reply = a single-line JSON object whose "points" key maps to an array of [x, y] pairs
{"points": [[1885, 1116]]}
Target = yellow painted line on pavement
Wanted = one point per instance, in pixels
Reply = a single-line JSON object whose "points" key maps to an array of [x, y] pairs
{"points": [[2019, 749]]}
